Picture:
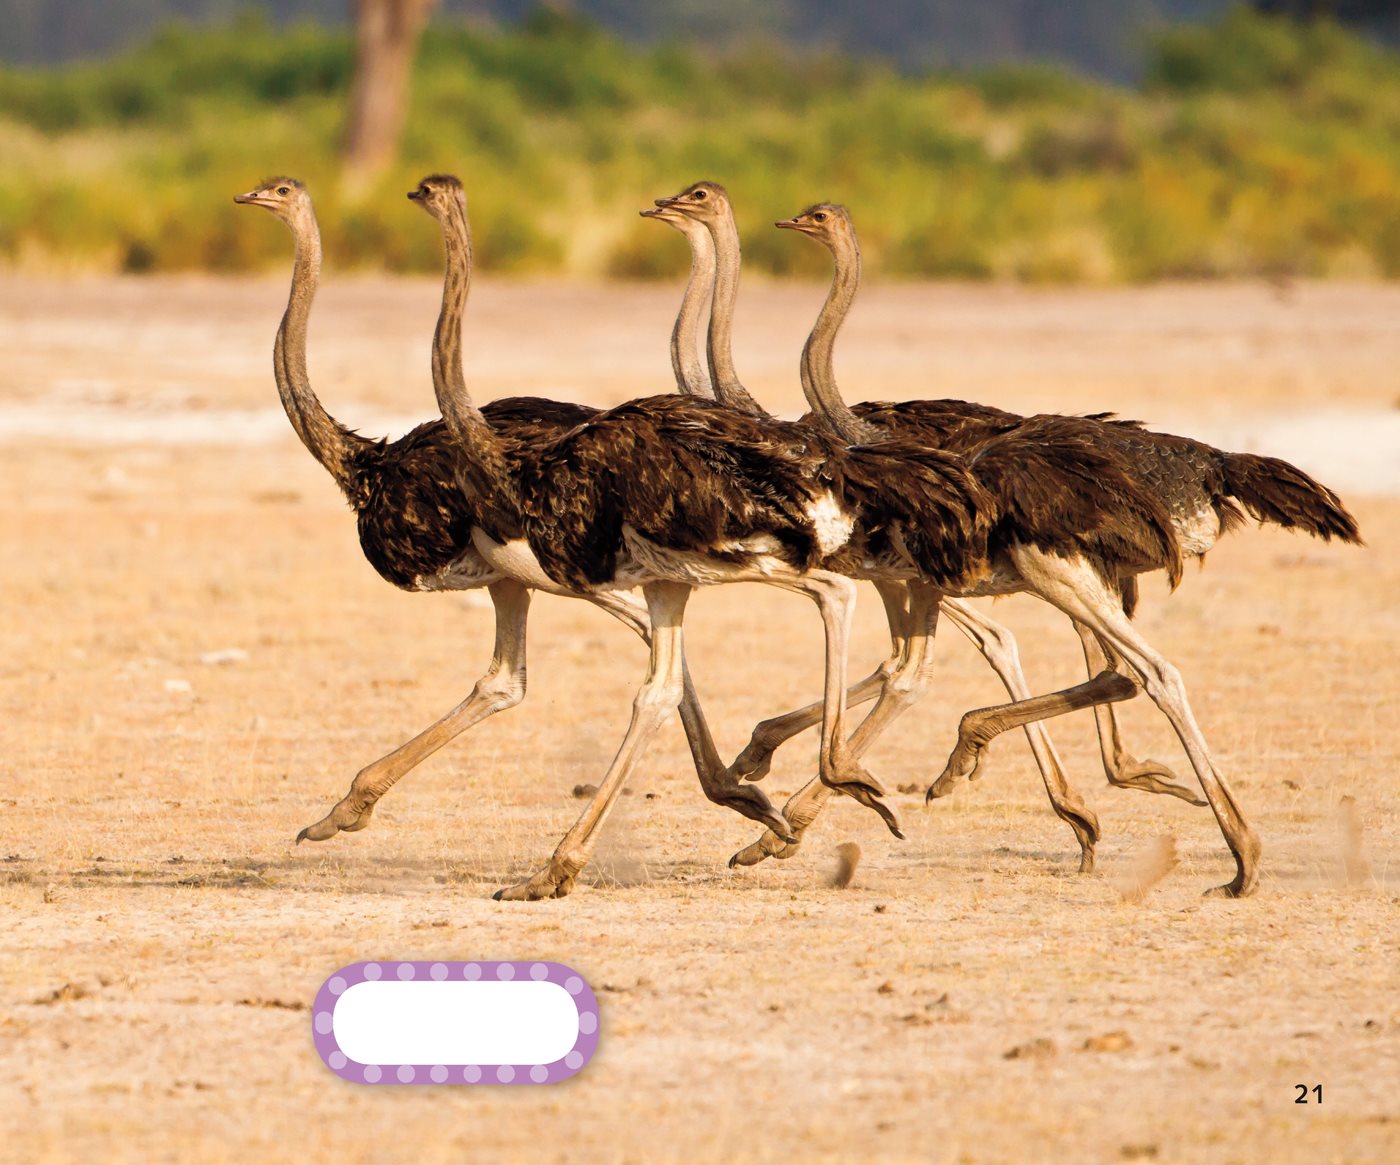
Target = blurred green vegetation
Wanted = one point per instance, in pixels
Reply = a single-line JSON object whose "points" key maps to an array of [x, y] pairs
{"points": [[1254, 147]]}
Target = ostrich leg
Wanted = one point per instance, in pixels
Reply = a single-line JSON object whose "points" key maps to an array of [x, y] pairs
{"points": [[981, 726], [998, 646], [662, 691], [656, 699], [906, 682], [1118, 765], [769, 735], [715, 779], [839, 767], [1075, 589], [503, 687]]}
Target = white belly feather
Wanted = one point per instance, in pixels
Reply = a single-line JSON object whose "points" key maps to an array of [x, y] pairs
{"points": [[643, 559], [831, 524], [516, 560], [1199, 533], [646, 560], [468, 572]]}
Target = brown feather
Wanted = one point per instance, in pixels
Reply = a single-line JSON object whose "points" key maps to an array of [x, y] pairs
{"points": [[1136, 473], [692, 475], [1055, 482], [413, 515], [1275, 491]]}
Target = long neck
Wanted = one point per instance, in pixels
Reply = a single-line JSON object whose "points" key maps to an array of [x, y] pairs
{"points": [[692, 379], [818, 375], [719, 349], [330, 442], [464, 420]]}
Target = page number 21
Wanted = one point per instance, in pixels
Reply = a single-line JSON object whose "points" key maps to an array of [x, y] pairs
{"points": [[1304, 1090]]}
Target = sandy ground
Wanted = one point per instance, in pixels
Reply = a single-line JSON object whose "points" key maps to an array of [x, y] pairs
{"points": [[160, 937]]}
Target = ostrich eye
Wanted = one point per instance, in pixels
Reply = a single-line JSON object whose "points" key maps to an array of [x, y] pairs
{"points": [[699, 194], [819, 217], [284, 190]]}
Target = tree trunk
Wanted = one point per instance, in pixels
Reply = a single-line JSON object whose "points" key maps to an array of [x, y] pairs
{"points": [[386, 35]]}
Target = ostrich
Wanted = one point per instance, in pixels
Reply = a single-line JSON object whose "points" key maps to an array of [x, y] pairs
{"points": [[708, 203], [415, 530], [718, 236], [1203, 489], [673, 493]]}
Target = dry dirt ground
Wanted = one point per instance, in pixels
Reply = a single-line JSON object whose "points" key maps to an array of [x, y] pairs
{"points": [[160, 936]]}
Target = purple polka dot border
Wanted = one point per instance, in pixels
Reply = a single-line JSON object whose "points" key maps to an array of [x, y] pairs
{"points": [[440, 970]]}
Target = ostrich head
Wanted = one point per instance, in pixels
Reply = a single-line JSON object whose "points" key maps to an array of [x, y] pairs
{"points": [[826, 222], [672, 216], [285, 197], [703, 202], [438, 193]]}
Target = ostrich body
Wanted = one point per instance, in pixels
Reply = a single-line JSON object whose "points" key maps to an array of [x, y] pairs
{"points": [[1199, 487], [415, 526], [672, 493]]}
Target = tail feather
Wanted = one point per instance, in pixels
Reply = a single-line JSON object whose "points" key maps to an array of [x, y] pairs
{"points": [[1275, 491]]}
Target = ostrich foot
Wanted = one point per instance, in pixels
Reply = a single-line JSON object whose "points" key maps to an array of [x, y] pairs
{"points": [[1245, 881], [964, 763], [770, 845], [1151, 776], [753, 803], [551, 882], [754, 762], [849, 777], [346, 817], [801, 811], [1235, 889]]}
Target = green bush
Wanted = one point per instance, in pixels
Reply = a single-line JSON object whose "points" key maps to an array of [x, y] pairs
{"points": [[1255, 146]]}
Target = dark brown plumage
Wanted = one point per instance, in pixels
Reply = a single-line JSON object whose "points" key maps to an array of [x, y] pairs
{"points": [[414, 518], [1275, 491], [695, 477], [1183, 477], [1187, 477], [686, 474], [1081, 499], [1054, 480], [410, 514], [919, 506]]}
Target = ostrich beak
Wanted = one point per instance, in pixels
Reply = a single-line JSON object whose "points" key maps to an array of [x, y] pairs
{"points": [[789, 224], [415, 195], [258, 197]]}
